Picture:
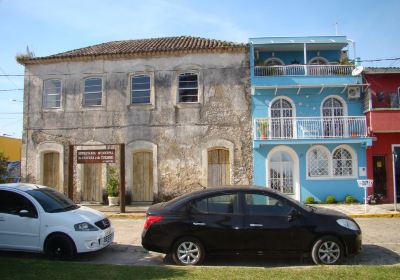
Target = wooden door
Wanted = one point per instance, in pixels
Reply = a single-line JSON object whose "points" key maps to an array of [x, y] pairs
{"points": [[51, 170], [218, 167], [92, 182], [142, 176], [380, 185]]}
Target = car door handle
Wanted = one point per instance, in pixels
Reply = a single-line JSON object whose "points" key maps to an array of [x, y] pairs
{"points": [[199, 224], [256, 225]]}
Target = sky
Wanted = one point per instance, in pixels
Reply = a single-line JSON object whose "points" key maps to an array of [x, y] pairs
{"points": [[52, 26]]}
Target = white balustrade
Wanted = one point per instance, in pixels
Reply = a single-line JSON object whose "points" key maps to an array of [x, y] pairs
{"points": [[303, 70], [310, 127]]}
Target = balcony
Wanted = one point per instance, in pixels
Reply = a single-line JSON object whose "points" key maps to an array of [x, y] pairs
{"points": [[303, 70], [310, 128]]}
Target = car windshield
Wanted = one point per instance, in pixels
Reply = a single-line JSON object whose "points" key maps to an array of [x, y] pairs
{"points": [[52, 201]]}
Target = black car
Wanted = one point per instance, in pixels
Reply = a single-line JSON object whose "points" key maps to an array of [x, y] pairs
{"points": [[247, 220]]}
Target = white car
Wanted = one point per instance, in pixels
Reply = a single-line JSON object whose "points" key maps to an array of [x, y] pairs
{"points": [[40, 219]]}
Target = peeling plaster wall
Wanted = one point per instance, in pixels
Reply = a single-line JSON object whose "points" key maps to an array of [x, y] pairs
{"points": [[178, 130]]}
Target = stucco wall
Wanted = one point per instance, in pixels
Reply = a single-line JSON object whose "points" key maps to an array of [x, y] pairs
{"points": [[179, 131]]}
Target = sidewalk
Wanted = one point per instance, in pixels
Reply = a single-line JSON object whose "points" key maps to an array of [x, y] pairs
{"points": [[353, 210]]}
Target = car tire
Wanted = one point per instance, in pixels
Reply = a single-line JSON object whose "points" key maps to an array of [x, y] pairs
{"points": [[327, 250], [59, 247], [188, 251]]}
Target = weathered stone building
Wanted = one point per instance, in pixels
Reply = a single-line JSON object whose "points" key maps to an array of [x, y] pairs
{"points": [[181, 106]]}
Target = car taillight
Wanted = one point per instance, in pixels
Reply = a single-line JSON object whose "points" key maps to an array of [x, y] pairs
{"points": [[151, 220]]}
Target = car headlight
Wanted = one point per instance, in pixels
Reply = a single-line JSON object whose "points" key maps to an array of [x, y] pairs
{"points": [[85, 227], [347, 224]]}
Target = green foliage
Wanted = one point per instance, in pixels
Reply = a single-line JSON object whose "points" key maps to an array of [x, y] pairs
{"points": [[310, 200], [112, 182], [330, 199], [349, 199], [3, 167]]}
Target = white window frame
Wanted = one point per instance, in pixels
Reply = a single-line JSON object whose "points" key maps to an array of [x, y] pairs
{"points": [[318, 58], [44, 95], [330, 163], [152, 91], [280, 61], [198, 87], [327, 153], [101, 92]]}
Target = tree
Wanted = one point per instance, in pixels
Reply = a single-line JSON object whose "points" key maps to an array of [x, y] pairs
{"points": [[3, 167]]}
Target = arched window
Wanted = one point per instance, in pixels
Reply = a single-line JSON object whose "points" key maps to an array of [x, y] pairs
{"points": [[342, 162], [273, 61], [281, 113], [318, 162], [332, 111], [318, 60]]}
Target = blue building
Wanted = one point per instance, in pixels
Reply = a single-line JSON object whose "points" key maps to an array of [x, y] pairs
{"points": [[310, 133]]}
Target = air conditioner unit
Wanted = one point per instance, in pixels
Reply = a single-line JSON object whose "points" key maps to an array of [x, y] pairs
{"points": [[353, 92]]}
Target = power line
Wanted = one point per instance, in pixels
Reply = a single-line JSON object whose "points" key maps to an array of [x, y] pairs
{"points": [[13, 89]]}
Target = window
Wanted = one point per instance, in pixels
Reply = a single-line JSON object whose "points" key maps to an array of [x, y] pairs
{"points": [[273, 62], [12, 203], [281, 168], [318, 61], [93, 89], [342, 163], [281, 118], [261, 204], [188, 87], [332, 112], [52, 94], [220, 204], [323, 164], [140, 89], [318, 163]]}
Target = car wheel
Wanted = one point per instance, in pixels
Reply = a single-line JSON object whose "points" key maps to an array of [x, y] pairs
{"points": [[327, 250], [188, 251], [59, 247]]}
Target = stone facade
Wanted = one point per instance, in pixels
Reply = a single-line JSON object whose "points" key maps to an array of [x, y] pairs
{"points": [[177, 134]]}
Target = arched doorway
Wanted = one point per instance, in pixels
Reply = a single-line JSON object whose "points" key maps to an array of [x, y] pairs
{"points": [[142, 176], [281, 113], [219, 168], [333, 111], [282, 171], [51, 170]]}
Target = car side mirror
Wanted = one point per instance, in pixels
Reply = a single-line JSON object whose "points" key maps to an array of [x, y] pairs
{"points": [[293, 214], [26, 213]]}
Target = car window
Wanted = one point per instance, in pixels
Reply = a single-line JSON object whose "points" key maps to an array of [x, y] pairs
{"points": [[263, 204], [221, 204], [12, 203], [52, 201]]}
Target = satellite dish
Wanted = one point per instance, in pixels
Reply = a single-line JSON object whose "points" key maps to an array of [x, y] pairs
{"points": [[357, 71]]}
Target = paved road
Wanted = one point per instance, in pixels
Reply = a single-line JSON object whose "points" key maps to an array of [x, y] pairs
{"points": [[381, 246]]}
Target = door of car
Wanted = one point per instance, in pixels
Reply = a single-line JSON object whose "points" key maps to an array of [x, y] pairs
{"points": [[19, 222], [217, 221], [272, 224]]}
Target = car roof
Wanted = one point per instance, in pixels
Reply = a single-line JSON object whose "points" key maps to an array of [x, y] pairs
{"points": [[20, 186]]}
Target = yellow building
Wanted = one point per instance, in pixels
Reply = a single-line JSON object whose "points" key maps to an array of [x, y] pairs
{"points": [[11, 147]]}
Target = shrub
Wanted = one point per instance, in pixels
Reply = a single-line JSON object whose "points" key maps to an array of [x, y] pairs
{"points": [[112, 182], [310, 200], [330, 199], [349, 199]]}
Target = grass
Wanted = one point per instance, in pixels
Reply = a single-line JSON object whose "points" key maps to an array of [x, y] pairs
{"points": [[15, 268]]}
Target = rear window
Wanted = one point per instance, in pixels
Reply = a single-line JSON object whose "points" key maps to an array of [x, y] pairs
{"points": [[219, 204], [52, 201]]}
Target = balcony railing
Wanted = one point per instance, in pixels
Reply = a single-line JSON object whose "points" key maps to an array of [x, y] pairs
{"points": [[304, 70], [309, 127]]}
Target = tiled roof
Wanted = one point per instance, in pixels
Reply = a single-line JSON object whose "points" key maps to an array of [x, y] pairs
{"points": [[381, 70], [141, 47]]}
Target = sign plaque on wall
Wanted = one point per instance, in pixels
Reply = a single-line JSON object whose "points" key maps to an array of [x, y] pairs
{"points": [[96, 156]]}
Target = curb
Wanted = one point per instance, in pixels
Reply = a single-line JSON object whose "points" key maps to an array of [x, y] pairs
{"points": [[376, 215], [127, 215]]}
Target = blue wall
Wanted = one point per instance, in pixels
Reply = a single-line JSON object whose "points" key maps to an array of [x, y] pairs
{"points": [[318, 188]]}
